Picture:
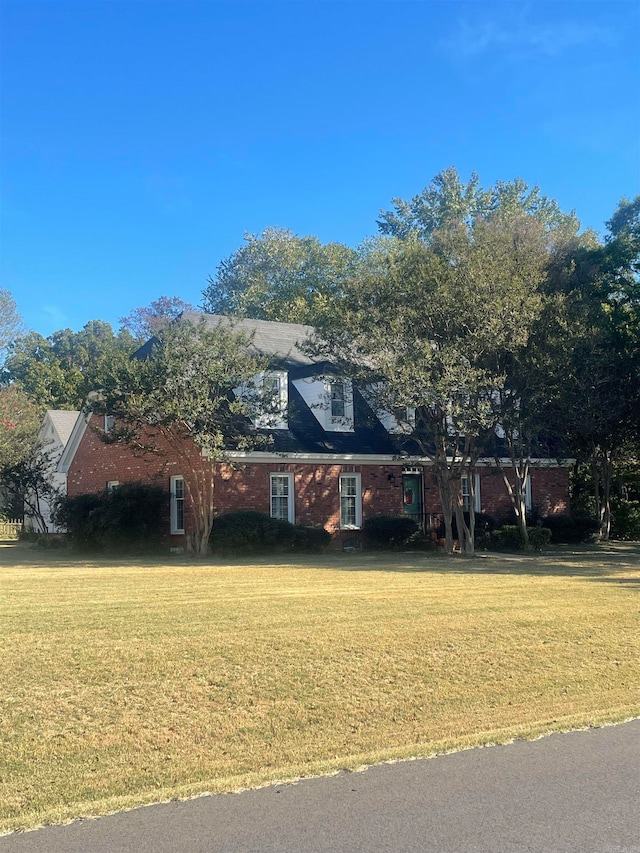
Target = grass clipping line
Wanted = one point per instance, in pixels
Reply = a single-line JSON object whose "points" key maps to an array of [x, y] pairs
{"points": [[127, 685]]}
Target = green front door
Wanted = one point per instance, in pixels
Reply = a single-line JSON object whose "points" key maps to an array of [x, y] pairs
{"points": [[412, 496]]}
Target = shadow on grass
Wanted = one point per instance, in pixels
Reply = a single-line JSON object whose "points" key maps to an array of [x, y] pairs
{"points": [[590, 562]]}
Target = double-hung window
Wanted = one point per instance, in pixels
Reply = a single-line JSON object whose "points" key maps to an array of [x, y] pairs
{"points": [[282, 502], [338, 409], [177, 504], [109, 423], [350, 501], [466, 494]]}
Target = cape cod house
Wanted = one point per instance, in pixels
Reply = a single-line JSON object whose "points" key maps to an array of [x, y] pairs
{"points": [[333, 461]]}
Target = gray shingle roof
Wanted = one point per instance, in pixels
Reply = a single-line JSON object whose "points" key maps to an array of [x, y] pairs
{"points": [[268, 337]]}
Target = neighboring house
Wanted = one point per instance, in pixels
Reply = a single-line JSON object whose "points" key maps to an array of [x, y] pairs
{"points": [[333, 461], [56, 429]]}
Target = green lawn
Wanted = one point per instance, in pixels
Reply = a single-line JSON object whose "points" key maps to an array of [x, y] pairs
{"points": [[128, 683]]}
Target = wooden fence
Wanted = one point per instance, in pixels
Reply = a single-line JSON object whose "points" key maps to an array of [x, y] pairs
{"points": [[10, 529]]}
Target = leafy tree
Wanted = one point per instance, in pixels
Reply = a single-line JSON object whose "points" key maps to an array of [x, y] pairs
{"points": [[143, 323], [277, 275], [179, 394], [11, 325], [60, 371], [422, 325], [19, 427]]}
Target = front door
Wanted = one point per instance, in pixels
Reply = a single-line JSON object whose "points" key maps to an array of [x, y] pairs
{"points": [[412, 496]]}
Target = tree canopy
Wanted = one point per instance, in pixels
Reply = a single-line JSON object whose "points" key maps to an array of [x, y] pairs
{"points": [[144, 322]]}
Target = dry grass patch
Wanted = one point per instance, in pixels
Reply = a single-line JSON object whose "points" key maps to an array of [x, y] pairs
{"points": [[128, 684]]}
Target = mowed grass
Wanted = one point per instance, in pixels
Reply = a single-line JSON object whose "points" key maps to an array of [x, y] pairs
{"points": [[123, 684]]}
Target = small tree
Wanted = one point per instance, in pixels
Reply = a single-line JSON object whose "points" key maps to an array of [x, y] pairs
{"points": [[145, 322], [179, 393]]}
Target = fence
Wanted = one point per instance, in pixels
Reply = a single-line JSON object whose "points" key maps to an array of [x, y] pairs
{"points": [[10, 529]]}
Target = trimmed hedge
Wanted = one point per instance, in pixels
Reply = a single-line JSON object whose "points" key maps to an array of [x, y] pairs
{"points": [[570, 529], [389, 530], [509, 538], [249, 531], [129, 519]]}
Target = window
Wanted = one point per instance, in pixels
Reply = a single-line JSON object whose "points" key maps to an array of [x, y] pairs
{"points": [[109, 423], [466, 494], [272, 400], [337, 399], [350, 501], [282, 500], [527, 494], [177, 504], [112, 485]]}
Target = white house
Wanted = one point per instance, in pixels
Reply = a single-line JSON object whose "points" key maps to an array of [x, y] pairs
{"points": [[57, 426]]}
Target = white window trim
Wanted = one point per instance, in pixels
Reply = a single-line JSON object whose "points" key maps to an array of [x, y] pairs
{"points": [[109, 423], [276, 419], [358, 497], [112, 485], [291, 504], [339, 424], [174, 505], [527, 494], [477, 500]]}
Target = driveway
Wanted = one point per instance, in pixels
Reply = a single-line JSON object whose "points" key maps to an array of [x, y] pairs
{"points": [[567, 793]]}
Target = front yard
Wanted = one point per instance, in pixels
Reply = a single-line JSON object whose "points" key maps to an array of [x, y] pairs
{"points": [[128, 683]]}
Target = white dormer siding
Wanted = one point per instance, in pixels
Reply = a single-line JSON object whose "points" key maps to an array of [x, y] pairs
{"points": [[268, 397], [330, 399]]}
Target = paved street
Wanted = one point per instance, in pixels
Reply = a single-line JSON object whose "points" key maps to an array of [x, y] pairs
{"points": [[567, 793]]}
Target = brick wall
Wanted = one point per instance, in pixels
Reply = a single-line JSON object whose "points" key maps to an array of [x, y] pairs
{"points": [[316, 487]]}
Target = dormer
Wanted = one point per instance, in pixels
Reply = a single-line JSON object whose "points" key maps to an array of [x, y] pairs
{"points": [[330, 399], [272, 393]]}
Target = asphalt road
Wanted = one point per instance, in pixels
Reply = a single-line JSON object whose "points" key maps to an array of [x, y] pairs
{"points": [[566, 793]]}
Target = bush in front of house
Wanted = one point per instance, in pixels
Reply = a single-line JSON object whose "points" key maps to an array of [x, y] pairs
{"points": [[570, 529], [509, 538], [387, 531], [129, 519], [626, 519], [249, 531], [311, 539]]}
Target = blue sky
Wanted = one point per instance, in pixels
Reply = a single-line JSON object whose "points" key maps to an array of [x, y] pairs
{"points": [[141, 140]]}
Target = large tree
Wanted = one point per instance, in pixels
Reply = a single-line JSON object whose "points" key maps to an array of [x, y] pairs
{"points": [[277, 275], [19, 426], [179, 394], [144, 322], [60, 371], [11, 325], [422, 325]]}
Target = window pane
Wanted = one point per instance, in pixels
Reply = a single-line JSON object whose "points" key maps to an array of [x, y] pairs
{"points": [[349, 501], [337, 400], [280, 497]]}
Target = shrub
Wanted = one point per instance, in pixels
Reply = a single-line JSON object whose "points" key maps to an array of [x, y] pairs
{"points": [[626, 519], [129, 519], [484, 525], [506, 538], [389, 530], [570, 529], [310, 538], [509, 538], [539, 537], [251, 531]]}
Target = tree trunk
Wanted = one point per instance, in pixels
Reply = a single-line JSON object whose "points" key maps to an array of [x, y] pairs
{"points": [[444, 489], [604, 474]]}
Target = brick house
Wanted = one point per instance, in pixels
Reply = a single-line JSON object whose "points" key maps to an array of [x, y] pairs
{"points": [[333, 460]]}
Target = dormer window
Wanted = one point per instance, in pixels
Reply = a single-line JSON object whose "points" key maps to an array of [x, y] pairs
{"points": [[273, 399], [337, 399]]}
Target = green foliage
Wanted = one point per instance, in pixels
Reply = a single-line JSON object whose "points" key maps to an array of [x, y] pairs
{"points": [[11, 325], [312, 539], [570, 529], [626, 519], [19, 426], [129, 519], [249, 531], [509, 538], [277, 275], [389, 530], [60, 371]]}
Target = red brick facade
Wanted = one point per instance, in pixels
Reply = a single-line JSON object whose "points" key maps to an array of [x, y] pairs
{"points": [[246, 485]]}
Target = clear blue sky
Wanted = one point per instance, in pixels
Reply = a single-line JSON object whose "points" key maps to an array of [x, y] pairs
{"points": [[141, 140]]}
